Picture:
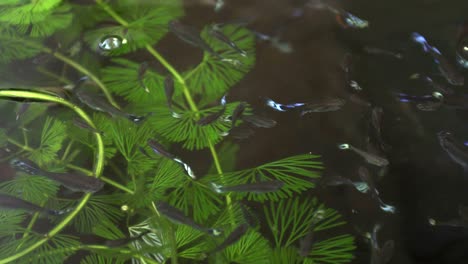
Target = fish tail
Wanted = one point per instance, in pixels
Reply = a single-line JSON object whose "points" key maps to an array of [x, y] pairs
{"points": [[421, 40], [217, 188], [214, 231]]}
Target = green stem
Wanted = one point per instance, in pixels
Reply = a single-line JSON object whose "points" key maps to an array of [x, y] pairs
{"points": [[98, 168], [67, 150], [53, 75], [112, 13]]}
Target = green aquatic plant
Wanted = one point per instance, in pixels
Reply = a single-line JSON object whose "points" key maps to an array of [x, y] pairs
{"points": [[116, 150]]}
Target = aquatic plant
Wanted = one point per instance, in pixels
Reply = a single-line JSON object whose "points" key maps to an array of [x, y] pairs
{"points": [[94, 41]]}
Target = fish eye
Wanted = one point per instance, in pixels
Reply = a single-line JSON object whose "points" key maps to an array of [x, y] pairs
{"points": [[438, 95], [343, 146], [124, 208]]}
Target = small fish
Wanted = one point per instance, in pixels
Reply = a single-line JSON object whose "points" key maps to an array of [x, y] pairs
{"points": [[429, 106], [74, 182], [218, 5], [259, 121], [233, 237], [13, 203], [370, 186], [216, 33], [448, 70], [336, 180], [21, 110], [81, 124], [141, 75], [94, 102], [306, 243], [177, 216], [237, 113], [169, 90], [343, 18], [204, 121], [258, 187], [125, 241], [376, 122], [380, 255], [456, 150], [191, 36], [378, 51], [328, 105], [369, 157], [160, 150], [241, 132], [356, 87], [282, 107], [443, 89], [406, 98]]}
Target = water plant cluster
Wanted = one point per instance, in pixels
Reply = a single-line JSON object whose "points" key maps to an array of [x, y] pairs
{"points": [[57, 43]]}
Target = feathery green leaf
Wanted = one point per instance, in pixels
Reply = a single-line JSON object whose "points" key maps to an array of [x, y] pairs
{"points": [[335, 250], [36, 189], [53, 134]]}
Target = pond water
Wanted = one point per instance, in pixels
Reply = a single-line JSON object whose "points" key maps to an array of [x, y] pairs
{"points": [[422, 181]]}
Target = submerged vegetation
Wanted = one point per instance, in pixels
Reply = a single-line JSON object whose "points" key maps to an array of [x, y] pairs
{"points": [[155, 206]]}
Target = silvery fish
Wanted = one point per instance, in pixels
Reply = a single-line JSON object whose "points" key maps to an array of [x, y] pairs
{"points": [[241, 132], [204, 121], [447, 69], [369, 157], [125, 241], [369, 182], [160, 150], [380, 255], [376, 121], [81, 124], [443, 89], [96, 103], [343, 18], [336, 180], [327, 105], [74, 182], [258, 187], [233, 237], [378, 51], [13, 203], [141, 75], [456, 150], [216, 33], [282, 107], [177, 216], [22, 109], [191, 36], [461, 221], [259, 121]]}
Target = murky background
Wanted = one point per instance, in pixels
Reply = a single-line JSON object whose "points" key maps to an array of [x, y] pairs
{"points": [[422, 181]]}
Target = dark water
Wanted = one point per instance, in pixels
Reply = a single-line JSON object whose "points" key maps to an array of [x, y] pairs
{"points": [[422, 181]]}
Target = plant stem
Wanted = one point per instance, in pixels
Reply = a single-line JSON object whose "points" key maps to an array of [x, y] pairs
{"points": [[67, 150], [53, 75], [97, 170]]}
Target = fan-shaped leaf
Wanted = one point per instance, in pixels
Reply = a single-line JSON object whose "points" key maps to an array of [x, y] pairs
{"points": [[36, 189], [53, 134], [212, 76], [15, 47], [250, 248], [335, 250]]}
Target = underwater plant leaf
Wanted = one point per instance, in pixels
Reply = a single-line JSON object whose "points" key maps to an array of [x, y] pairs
{"points": [[250, 248], [15, 47], [153, 240], [189, 242], [10, 222], [122, 79], [227, 157], [147, 24], [290, 219], [196, 200], [127, 137], [335, 250], [36, 189], [213, 77], [100, 259], [185, 128], [98, 209], [34, 111], [27, 9], [108, 230], [57, 249], [282, 255], [42, 24], [53, 135], [296, 172]]}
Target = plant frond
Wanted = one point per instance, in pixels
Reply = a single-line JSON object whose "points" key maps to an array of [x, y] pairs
{"points": [[53, 134], [335, 250], [296, 172], [153, 240], [185, 129], [214, 77], [289, 220], [189, 244], [56, 250], [98, 209], [282, 255], [15, 47], [34, 111], [10, 222], [100, 259], [147, 24], [36, 189], [250, 248], [108, 230], [196, 200], [122, 79]]}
